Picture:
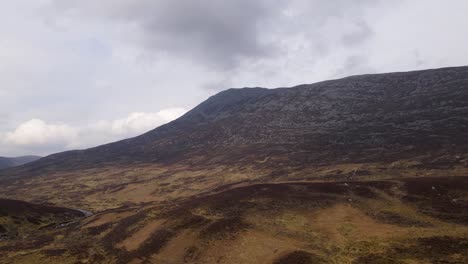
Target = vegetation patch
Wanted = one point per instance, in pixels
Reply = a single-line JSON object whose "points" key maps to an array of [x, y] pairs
{"points": [[226, 228], [300, 257], [54, 252], [191, 254], [398, 219], [155, 243], [443, 198], [431, 250], [96, 230]]}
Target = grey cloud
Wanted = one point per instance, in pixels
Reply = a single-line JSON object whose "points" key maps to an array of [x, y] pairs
{"points": [[225, 34], [222, 31], [219, 33], [355, 64], [362, 31]]}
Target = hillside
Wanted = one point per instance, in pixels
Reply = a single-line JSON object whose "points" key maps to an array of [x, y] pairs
{"points": [[18, 218], [16, 161], [364, 169], [411, 220], [357, 119], [370, 126]]}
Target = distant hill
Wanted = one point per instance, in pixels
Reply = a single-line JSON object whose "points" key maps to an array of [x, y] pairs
{"points": [[16, 161]]}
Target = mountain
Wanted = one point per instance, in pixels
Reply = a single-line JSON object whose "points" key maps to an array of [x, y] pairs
{"points": [[374, 126], [17, 161], [358, 119], [364, 169]]}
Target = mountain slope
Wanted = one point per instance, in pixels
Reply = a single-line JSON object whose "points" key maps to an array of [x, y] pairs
{"points": [[365, 169], [18, 218], [360, 118], [374, 126], [6, 163], [17, 161]]}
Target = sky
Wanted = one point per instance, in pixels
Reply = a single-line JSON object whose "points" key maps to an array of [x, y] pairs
{"points": [[80, 73]]}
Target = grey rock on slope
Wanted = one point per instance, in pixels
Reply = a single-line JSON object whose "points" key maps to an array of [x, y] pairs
{"points": [[379, 117]]}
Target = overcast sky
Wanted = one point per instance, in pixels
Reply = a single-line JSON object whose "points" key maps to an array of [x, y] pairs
{"points": [[79, 73]]}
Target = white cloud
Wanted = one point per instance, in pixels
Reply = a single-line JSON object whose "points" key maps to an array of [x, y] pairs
{"points": [[38, 135], [140, 122], [37, 132]]}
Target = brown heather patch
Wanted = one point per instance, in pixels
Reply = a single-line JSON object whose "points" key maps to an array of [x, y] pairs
{"points": [[139, 236], [342, 223], [436, 249], [223, 229], [179, 249], [300, 257]]}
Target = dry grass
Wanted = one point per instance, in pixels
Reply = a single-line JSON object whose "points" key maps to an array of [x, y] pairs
{"points": [[135, 240], [340, 222]]}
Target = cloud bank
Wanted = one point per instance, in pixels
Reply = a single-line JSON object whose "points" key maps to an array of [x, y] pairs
{"points": [[37, 134]]}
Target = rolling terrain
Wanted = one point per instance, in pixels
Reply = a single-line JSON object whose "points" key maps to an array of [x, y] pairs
{"points": [[17, 161], [18, 218], [364, 169]]}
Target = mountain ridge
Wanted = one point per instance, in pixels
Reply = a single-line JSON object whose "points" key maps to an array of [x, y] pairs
{"points": [[240, 105]]}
